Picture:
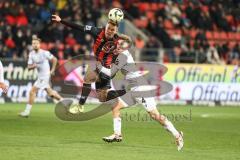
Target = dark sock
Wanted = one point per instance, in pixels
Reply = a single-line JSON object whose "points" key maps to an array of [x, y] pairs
{"points": [[85, 92], [114, 94]]}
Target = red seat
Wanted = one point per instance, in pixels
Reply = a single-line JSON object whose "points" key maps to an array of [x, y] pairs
{"points": [[50, 45], [230, 35], [216, 35], [144, 6], [168, 24], [209, 35], [150, 14], [223, 36], [161, 6], [141, 23], [193, 33], [44, 45], [211, 43], [61, 46], [232, 44], [154, 6], [238, 36]]}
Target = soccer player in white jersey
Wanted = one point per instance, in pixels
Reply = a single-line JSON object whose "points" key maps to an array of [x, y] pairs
{"points": [[39, 58], [3, 86], [126, 64]]}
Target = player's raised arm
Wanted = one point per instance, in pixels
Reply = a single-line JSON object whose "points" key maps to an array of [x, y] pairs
{"points": [[83, 28]]}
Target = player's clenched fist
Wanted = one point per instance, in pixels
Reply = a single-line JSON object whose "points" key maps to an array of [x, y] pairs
{"points": [[56, 18]]}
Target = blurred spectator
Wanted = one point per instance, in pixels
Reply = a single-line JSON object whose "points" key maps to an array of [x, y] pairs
{"points": [[151, 50], [212, 56], [139, 42]]}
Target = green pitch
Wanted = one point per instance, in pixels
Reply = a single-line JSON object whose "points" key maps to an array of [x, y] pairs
{"points": [[210, 134]]}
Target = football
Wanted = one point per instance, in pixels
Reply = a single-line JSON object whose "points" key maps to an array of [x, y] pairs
{"points": [[116, 15]]}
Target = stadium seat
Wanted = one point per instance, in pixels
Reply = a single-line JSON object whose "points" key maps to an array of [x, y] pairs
{"points": [[141, 23], [216, 35], [223, 36], [168, 24], [154, 6], [44, 45], [238, 36], [50, 45], [61, 46], [209, 35], [144, 6], [161, 6], [150, 14], [193, 33]]}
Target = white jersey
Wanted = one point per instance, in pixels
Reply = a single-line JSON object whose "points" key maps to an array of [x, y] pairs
{"points": [[1, 73], [41, 59]]}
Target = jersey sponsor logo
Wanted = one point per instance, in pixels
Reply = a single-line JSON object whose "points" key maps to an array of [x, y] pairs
{"points": [[88, 28], [109, 47]]}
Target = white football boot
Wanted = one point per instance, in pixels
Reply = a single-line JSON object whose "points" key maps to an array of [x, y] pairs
{"points": [[179, 141], [24, 114], [113, 138], [76, 108]]}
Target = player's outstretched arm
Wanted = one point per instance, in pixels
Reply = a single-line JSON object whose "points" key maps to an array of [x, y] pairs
{"points": [[54, 65], [32, 66]]}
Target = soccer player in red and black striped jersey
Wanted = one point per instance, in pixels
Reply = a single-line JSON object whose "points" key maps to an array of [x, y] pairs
{"points": [[105, 44]]}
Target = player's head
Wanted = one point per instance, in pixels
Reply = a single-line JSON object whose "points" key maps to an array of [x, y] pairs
{"points": [[36, 42], [111, 29]]}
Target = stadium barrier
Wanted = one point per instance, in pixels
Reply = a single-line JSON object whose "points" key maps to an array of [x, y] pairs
{"points": [[192, 83]]}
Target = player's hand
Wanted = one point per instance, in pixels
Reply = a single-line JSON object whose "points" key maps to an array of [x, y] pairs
{"points": [[32, 66], [56, 18], [117, 51], [52, 72], [4, 87]]}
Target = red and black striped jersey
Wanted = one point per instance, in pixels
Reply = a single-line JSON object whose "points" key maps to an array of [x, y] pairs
{"points": [[102, 47]]}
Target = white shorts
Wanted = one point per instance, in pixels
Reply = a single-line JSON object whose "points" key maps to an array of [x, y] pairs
{"points": [[128, 100], [42, 83]]}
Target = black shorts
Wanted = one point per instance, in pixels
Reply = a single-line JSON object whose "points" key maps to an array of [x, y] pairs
{"points": [[103, 82]]}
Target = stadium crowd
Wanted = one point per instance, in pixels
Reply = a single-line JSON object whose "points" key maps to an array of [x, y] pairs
{"points": [[206, 29]]}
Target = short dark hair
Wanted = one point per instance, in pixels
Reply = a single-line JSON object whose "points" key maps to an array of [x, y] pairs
{"points": [[35, 38]]}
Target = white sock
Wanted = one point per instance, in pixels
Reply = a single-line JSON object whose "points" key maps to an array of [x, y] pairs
{"points": [[169, 127], [117, 124], [28, 108]]}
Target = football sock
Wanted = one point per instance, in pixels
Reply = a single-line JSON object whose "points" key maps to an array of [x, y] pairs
{"points": [[28, 108], [86, 89], [117, 124], [169, 127], [114, 94]]}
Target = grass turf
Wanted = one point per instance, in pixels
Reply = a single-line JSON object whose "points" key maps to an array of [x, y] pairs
{"points": [[210, 134]]}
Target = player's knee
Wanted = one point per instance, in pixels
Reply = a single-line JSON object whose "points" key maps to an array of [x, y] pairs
{"points": [[51, 93], [90, 78], [32, 92], [102, 96]]}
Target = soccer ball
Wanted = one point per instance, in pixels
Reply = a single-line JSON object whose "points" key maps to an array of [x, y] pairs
{"points": [[115, 15]]}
